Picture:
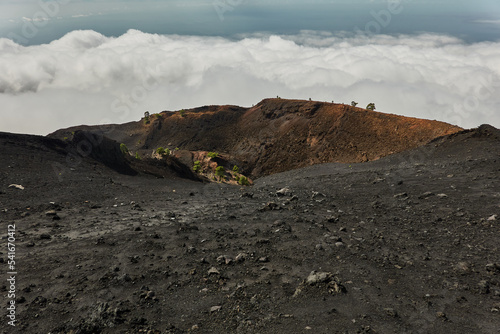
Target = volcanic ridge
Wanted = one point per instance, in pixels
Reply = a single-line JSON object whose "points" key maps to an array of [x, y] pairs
{"points": [[274, 136]]}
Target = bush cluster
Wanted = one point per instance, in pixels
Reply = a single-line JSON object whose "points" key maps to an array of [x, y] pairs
{"points": [[243, 180], [219, 171], [212, 154], [197, 166], [162, 151]]}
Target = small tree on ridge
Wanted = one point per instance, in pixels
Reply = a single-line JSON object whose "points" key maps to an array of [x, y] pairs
{"points": [[370, 106]]}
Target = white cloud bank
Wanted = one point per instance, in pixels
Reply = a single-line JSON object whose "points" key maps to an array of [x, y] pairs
{"points": [[88, 78]]}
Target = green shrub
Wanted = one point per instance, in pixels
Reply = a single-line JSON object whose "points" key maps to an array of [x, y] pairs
{"points": [[212, 154], [146, 117], [65, 138], [137, 156], [371, 106], [197, 166], [236, 169], [243, 181], [123, 148], [237, 178], [182, 113], [161, 151], [219, 171], [354, 103]]}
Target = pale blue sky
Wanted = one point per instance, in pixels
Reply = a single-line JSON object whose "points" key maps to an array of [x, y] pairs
{"points": [[472, 21]]}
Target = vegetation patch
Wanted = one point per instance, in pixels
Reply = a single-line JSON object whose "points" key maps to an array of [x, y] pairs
{"points": [[163, 151], [243, 180], [197, 166], [370, 106], [124, 148], [219, 171], [212, 154]]}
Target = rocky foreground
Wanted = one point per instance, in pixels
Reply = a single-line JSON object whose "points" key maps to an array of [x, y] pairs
{"points": [[404, 244]]}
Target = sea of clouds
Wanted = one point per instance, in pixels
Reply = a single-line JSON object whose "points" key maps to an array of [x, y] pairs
{"points": [[88, 78]]}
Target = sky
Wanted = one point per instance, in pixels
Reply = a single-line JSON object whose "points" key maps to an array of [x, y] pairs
{"points": [[71, 62]]}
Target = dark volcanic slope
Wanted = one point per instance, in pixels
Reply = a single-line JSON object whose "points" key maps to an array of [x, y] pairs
{"points": [[78, 167], [404, 244], [44, 166], [278, 135]]}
